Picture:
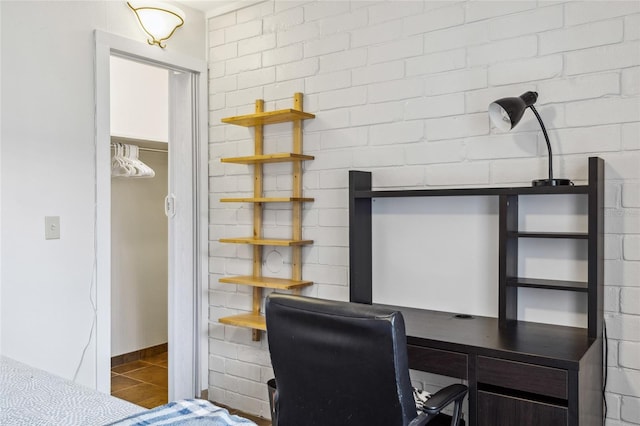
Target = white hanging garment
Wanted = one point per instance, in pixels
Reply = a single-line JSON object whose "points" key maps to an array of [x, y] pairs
{"points": [[125, 162], [120, 166]]}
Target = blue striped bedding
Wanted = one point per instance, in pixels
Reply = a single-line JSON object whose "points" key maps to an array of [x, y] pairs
{"points": [[186, 412]]}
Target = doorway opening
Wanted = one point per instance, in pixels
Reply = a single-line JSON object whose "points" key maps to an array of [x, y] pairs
{"points": [[139, 119], [186, 206]]}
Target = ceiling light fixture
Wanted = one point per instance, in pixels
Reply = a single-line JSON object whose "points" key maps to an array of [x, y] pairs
{"points": [[158, 20], [506, 113]]}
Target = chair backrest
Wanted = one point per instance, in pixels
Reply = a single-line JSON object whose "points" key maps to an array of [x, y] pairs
{"points": [[338, 363]]}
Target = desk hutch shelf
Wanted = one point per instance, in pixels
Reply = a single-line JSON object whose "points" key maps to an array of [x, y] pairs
{"points": [[518, 372], [255, 320]]}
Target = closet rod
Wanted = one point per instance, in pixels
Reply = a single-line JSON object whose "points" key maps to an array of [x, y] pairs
{"points": [[147, 149]]}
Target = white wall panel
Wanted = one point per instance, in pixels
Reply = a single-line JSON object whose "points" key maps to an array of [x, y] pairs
{"points": [[48, 169]]}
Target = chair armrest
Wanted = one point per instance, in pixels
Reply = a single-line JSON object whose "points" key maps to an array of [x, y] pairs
{"points": [[444, 397]]}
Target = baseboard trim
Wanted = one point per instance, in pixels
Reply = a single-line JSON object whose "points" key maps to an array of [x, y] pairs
{"points": [[138, 355]]}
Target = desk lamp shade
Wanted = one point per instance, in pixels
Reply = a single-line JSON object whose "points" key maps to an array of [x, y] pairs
{"points": [[506, 113]]}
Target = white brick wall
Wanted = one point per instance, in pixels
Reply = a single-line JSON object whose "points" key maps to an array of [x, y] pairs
{"points": [[534, 21], [582, 36], [401, 88], [611, 57], [632, 247]]}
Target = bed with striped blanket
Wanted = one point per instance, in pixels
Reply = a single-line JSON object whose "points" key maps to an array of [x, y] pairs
{"points": [[33, 397]]}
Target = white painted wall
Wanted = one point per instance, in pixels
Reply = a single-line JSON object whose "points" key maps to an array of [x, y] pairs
{"points": [[139, 100], [401, 88], [415, 242], [48, 169], [139, 251], [0, 184]]}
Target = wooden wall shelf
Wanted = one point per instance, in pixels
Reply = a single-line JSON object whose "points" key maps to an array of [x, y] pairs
{"points": [[266, 200], [266, 242], [266, 282], [253, 321], [295, 115], [280, 157], [271, 117]]}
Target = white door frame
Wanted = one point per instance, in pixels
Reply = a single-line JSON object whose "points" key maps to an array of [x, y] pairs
{"points": [[188, 317]]}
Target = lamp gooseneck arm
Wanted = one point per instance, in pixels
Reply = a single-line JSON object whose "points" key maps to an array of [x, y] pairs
{"points": [[546, 137]]}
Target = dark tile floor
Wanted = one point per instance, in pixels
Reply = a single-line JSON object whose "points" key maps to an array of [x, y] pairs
{"points": [[144, 382]]}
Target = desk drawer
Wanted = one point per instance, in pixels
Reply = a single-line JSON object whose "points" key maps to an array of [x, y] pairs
{"points": [[523, 377], [437, 361], [500, 410]]}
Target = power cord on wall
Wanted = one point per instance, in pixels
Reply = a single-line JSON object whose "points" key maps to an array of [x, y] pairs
{"points": [[93, 322], [94, 265]]}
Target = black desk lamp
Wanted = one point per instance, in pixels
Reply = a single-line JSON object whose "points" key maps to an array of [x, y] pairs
{"points": [[506, 113]]}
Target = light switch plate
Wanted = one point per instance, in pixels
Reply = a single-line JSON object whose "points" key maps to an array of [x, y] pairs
{"points": [[52, 227]]}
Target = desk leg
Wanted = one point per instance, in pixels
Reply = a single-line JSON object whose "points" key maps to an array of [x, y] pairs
{"points": [[360, 239], [473, 390]]}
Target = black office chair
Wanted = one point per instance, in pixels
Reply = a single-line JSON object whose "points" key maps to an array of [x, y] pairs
{"points": [[339, 364]]}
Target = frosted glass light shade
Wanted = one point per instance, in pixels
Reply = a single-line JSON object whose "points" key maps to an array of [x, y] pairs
{"points": [[158, 20]]}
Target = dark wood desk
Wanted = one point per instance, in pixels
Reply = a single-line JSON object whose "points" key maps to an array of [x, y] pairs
{"points": [[522, 374], [519, 373]]}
